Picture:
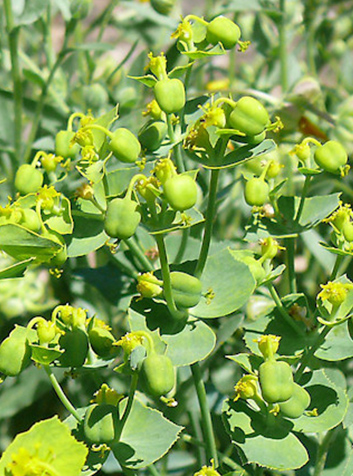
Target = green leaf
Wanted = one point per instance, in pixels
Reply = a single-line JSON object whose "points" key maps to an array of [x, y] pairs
{"points": [[50, 443], [215, 51], [148, 80], [22, 244], [294, 338], [138, 323], [32, 11], [106, 120], [243, 360], [268, 443], [176, 221], [340, 456], [178, 71], [193, 344], [239, 156], [185, 346], [328, 396], [88, 235], [44, 355], [22, 391], [227, 284], [63, 223], [145, 438], [16, 270], [92, 47], [315, 209], [338, 344]]}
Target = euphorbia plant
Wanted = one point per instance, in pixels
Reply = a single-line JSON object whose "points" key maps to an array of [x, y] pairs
{"points": [[156, 272]]}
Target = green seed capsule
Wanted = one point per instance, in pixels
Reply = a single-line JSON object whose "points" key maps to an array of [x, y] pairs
{"points": [[249, 117], [331, 156], [297, 404], [256, 192], [276, 381], [170, 95], [30, 219], [101, 341], [157, 375], [222, 30], [28, 179], [347, 231], [180, 192], [63, 147], [164, 7], [125, 146], [186, 289], [100, 424], [122, 218], [152, 135]]}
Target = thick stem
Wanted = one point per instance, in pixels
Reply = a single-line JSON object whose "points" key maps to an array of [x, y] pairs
{"points": [[153, 470], [290, 247], [136, 250], [177, 150], [60, 393], [129, 403], [302, 198], [182, 246], [336, 267], [13, 33], [322, 452], [210, 213], [224, 458], [167, 285], [319, 340], [210, 441]]}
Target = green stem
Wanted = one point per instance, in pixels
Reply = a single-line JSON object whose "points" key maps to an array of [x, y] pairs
{"points": [[210, 214], [137, 252], [283, 47], [167, 285], [322, 452], [13, 33], [153, 470], [182, 246], [60, 393], [205, 414], [177, 150], [129, 403], [224, 458], [319, 340], [40, 103], [283, 310], [336, 267], [302, 198], [289, 244]]}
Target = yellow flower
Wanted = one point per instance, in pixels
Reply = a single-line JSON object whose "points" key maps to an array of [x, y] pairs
{"points": [[334, 293], [246, 388], [208, 470], [268, 345], [129, 341], [183, 32], [149, 286]]}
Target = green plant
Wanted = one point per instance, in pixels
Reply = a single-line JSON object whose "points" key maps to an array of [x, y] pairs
{"points": [[215, 337]]}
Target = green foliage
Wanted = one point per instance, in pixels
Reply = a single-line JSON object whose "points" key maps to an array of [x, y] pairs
{"points": [[176, 230]]}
